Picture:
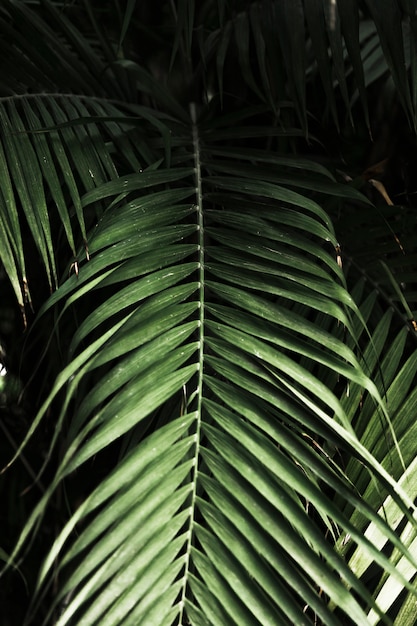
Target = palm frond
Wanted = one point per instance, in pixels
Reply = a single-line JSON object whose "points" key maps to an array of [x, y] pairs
{"points": [[396, 375], [66, 157], [195, 353]]}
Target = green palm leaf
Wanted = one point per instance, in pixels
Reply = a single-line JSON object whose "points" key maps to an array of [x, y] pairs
{"points": [[192, 344]]}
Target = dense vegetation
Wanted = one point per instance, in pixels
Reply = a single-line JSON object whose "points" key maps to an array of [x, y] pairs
{"points": [[207, 296]]}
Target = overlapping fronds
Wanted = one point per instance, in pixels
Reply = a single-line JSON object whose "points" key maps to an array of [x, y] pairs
{"points": [[192, 341], [256, 409]]}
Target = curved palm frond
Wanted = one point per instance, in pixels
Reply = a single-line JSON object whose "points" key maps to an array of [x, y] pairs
{"points": [[396, 373], [195, 352], [67, 157]]}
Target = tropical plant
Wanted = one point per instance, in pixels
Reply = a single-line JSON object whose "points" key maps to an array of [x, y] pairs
{"points": [[218, 387]]}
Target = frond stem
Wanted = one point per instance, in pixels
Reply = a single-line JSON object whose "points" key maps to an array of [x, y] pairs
{"points": [[198, 394]]}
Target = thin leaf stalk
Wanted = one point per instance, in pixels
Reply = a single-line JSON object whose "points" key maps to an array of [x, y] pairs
{"points": [[197, 396]]}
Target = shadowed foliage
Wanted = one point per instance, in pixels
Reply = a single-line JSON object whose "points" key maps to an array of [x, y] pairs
{"points": [[207, 299]]}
